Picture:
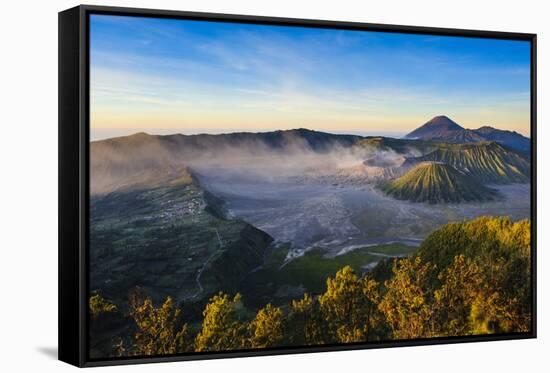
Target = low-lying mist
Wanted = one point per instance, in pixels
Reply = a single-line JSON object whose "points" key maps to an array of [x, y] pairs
{"points": [[296, 160], [308, 189], [274, 164], [135, 160]]}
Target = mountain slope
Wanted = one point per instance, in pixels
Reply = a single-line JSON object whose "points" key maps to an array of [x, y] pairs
{"points": [[442, 128], [440, 123], [145, 161], [401, 146], [510, 139], [487, 162], [131, 162], [171, 241], [434, 182], [275, 140]]}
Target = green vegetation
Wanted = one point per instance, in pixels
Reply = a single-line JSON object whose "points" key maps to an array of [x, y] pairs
{"points": [[435, 182], [349, 306], [309, 272], [496, 252], [166, 241], [486, 162], [406, 305], [99, 305], [162, 238], [485, 239], [453, 173], [267, 328], [158, 329], [467, 278], [222, 328], [169, 273]]}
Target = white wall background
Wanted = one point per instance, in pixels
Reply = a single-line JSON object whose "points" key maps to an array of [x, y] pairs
{"points": [[28, 184]]}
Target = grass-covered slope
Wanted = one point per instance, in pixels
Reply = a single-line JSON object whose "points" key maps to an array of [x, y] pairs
{"points": [[487, 162], [435, 182], [485, 238], [168, 241], [278, 281]]}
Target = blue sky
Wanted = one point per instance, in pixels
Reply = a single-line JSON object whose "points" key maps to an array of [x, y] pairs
{"points": [[165, 75]]}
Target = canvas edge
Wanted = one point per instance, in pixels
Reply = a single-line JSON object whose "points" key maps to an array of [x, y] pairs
{"points": [[73, 285], [69, 196]]}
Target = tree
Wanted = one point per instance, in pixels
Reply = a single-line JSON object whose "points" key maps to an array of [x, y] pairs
{"points": [[485, 239], [453, 301], [348, 305], [498, 251], [306, 325], [104, 318], [502, 304], [99, 305], [267, 329], [371, 292], [222, 328], [159, 331], [406, 304], [467, 278]]}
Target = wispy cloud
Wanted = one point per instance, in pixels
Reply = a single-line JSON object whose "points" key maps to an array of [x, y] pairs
{"points": [[172, 71]]}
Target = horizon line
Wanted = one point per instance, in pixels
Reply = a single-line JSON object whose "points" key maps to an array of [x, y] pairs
{"points": [[127, 132]]}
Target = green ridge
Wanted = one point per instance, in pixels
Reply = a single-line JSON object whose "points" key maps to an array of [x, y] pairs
{"points": [[487, 162], [435, 182]]}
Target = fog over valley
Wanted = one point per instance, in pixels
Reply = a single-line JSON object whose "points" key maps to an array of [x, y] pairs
{"points": [[306, 188]]}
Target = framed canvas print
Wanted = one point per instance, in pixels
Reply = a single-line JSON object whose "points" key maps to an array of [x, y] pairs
{"points": [[237, 185]]}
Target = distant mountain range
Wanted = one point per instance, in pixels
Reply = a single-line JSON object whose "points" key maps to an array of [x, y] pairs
{"points": [[511, 139], [436, 182], [482, 156], [143, 161], [442, 128], [275, 140]]}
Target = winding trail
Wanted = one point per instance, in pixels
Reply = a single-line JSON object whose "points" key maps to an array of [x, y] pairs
{"points": [[206, 263]]}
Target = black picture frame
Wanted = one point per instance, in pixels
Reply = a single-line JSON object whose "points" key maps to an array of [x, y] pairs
{"points": [[74, 137]]}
